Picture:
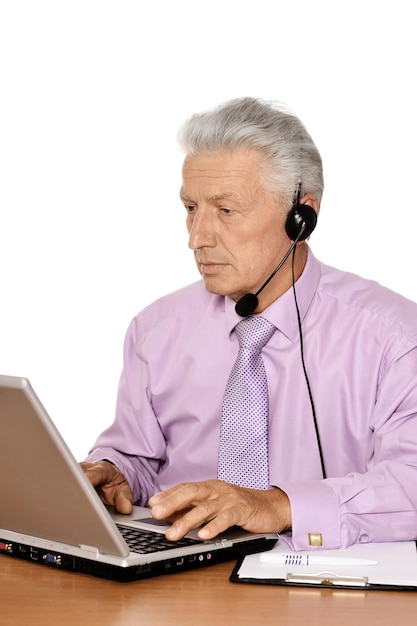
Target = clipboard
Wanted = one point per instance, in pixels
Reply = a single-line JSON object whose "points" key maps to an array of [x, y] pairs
{"points": [[396, 568]]}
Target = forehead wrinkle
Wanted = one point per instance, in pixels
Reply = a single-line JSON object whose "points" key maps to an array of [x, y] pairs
{"points": [[191, 170], [227, 178]]}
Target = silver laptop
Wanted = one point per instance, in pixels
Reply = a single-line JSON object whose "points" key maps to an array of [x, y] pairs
{"points": [[50, 513]]}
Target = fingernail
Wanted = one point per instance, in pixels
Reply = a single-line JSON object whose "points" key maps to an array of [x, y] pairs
{"points": [[157, 511], [172, 534], [203, 533]]}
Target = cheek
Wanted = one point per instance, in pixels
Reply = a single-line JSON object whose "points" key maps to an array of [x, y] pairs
{"points": [[259, 248], [252, 264], [263, 249], [261, 260]]}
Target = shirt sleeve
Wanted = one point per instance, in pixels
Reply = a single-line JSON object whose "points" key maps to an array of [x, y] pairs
{"points": [[380, 503], [134, 442]]}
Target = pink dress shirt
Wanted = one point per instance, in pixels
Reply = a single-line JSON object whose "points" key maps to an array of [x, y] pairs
{"points": [[360, 349]]}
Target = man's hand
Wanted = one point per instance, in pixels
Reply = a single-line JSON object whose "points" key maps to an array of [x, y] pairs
{"points": [[110, 484], [220, 505]]}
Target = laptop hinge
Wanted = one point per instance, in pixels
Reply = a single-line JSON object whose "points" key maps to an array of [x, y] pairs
{"points": [[93, 549]]}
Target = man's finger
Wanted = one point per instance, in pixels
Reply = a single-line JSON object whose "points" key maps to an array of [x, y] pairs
{"points": [[123, 499], [111, 485], [99, 473], [182, 497]]}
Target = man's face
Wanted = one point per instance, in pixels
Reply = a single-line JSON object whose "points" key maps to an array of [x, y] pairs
{"points": [[235, 226]]}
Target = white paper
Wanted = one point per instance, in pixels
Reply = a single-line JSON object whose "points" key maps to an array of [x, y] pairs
{"points": [[397, 564]]}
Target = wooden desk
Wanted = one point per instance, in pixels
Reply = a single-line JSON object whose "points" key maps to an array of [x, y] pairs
{"points": [[32, 595]]}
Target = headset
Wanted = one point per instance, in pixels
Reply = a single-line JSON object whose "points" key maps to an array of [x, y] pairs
{"points": [[300, 223]]}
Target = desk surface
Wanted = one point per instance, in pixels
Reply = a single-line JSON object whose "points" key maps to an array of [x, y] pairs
{"points": [[34, 594]]}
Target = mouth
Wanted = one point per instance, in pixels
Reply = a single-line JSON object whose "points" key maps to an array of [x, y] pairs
{"points": [[210, 267]]}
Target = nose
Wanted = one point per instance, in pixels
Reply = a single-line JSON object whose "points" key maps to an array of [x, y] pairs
{"points": [[201, 229]]}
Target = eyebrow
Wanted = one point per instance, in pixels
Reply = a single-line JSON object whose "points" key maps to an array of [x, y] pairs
{"points": [[222, 196], [215, 198]]}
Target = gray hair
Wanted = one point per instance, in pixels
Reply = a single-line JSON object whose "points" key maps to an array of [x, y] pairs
{"points": [[249, 123]]}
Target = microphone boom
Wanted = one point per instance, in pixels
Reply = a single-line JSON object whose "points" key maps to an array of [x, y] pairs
{"points": [[248, 303]]}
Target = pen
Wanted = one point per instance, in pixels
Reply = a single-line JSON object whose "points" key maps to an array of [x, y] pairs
{"points": [[280, 558]]}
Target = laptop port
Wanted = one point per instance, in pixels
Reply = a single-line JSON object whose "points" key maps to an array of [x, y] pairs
{"points": [[34, 554], [6, 547], [52, 559]]}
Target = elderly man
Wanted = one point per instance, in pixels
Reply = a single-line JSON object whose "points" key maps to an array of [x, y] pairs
{"points": [[276, 393]]}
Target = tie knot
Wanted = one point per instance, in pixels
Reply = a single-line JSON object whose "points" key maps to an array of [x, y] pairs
{"points": [[254, 333]]}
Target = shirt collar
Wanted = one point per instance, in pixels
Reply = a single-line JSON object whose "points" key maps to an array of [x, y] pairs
{"points": [[282, 313]]}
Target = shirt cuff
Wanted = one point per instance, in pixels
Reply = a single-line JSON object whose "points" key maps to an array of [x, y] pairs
{"points": [[315, 515]]}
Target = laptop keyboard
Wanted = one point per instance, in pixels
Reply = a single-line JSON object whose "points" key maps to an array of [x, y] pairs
{"points": [[144, 541]]}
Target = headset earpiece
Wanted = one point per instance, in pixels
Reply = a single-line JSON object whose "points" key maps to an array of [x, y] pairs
{"points": [[299, 216]]}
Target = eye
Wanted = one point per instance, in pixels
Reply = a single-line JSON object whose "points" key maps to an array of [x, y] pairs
{"points": [[190, 208]]}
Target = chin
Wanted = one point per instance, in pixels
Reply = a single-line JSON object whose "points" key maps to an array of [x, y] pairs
{"points": [[214, 286]]}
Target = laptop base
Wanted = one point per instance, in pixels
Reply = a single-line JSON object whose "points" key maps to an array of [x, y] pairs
{"points": [[135, 572]]}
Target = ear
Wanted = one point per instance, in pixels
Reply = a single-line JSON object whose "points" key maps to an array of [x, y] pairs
{"points": [[312, 201], [302, 219]]}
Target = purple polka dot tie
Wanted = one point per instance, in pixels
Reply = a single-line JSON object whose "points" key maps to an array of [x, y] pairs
{"points": [[243, 448]]}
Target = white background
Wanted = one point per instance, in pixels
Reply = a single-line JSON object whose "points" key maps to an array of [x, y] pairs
{"points": [[92, 95]]}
